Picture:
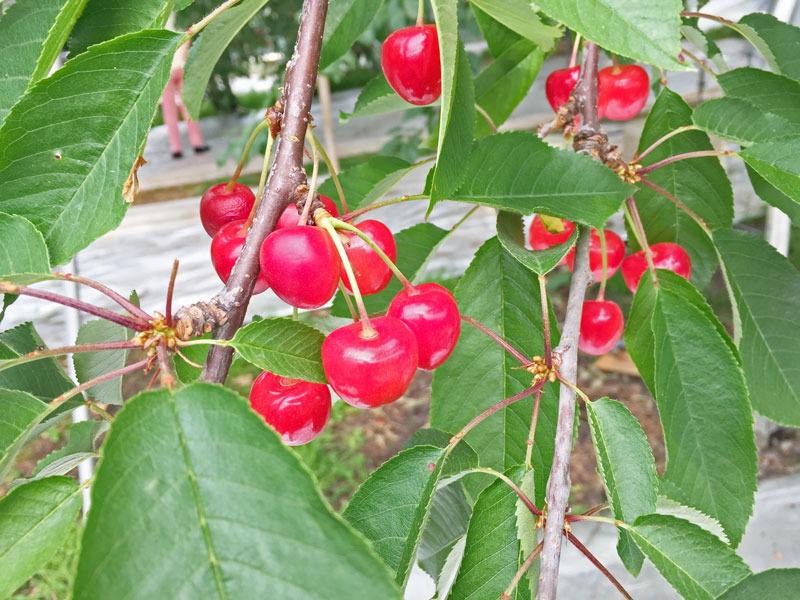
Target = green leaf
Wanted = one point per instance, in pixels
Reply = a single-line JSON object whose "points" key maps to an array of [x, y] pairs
{"points": [[649, 32], [81, 440], [771, 195], [700, 183], [283, 347], [512, 236], [377, 98], [775, 162], [20, 413], [32, 33], [626, 465], [225, 515], [209, 46], [520, 16], [527, 531], [519, 172], [68, 146], [365, 183], [770, 92], [706, 45], [187, 373], [777, 41], [696, 563], [767, 291], [34, 518], [775, 584], [498, 37], [741, 121], [446, 525], [503, 295], [89, 365], [23, 249], [638, 333], [102, 20], [392, 505], [345, 22], [492, 554], [415, 246]]}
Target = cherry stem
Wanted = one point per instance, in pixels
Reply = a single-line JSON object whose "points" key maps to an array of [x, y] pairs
{"points": [[699, 62], [200, 25], [40, 354], [421, 13], [106, 291], [261, 183], [94, 407], [251, 140], [93, 382], [522, 496], [367, 329], [524, 360], [137, 324], [461, 221], [331, 169], [575, 47], [537, 400], [166, 380], [635, 221], [588, 517], [593, 559], [601, 294], [347, 299], [312, 186], [170, 292], [186, 359], [701, 15], [389, 263], [521, 571], [352, 215], [574, 388], [684, 156], [548, 353], [486, 116], [678, 203], [637, 157]]}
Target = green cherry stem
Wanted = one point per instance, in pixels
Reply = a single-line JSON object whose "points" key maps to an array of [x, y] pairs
{"points": [[637, 157], [601, 294], [537, 400], [261, 183], [421, 12], [347, 300], [251, 140], [574, 388], [635, 222], [331, 169], [356, 213], [312, 188], [480, 110], [523, 568], [198, 27], [573, 58]]}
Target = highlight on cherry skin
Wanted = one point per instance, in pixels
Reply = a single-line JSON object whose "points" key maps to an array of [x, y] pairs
{"points": [[370, 368], [298, 410], [372, 274], [666, 255], [430, 312], [559, 85], [601, 326], [301, 265], [410, 63], [622, 91], [219, 206], [225, 250], [615, 253], [291, 218]]}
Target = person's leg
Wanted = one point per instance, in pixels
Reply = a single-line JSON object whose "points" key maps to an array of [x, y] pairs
{"points": [[192, 127], [170, 112]]}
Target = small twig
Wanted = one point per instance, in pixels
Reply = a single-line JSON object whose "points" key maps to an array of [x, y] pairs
{"points": [[522, 496], [486, 116], [684, 156], [593, 559], [118, 298], [677, 203], [521, 571], [39, 354], [375, 205], [699, 62], [186, 359], [198, 27], [638, 157], [170, 291], [93, 382], [524, 360], [701, 15]]}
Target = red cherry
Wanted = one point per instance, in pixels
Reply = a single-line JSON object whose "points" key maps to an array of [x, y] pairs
{"points": [[431, 313], [372, 274], [622, 91], [601, 326], [290, 217], [297, 410], [666, 255], [218, 206], [370, 371], [225, 249], [301, 265], [410, 62], [541, 239], [559, 85], [615, 252]]}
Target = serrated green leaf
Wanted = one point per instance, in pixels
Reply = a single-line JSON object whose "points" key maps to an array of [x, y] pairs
{"points": [[377, 98], [767, 291], [450, 568], [775, 162], [209, 46], [638, 333], [23, 248], [770, 92], [696, 563], [520, 16], [512, 236], [503, 295], [283, 347], [34, 518], [32, 33], [415, 246], [668, 506], [225, 514], [345, 22], [81, 440], [527, 532], [68, 146], [187, 373], [102, 20], [777, 41], [498, 37], [706, 45], [775, 584], [89, 365], [741, 121], [626, 465], [700, 183], [20, 413], [519, 172], [645, 31], [446, 525], [771, 195]]}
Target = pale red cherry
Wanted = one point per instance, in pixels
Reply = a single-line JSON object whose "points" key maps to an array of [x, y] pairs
{"points": [[301, 265], [622, 91], [369, 369], [220, 206], [410, 63], [297, 410], [225, 250], [559, 86], [601, 326], [615, 252], [372, 273], [666, 255], [430, 311], [290, 217]]}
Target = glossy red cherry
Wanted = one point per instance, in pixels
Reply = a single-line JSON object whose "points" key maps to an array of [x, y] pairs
{"points": [[410, 62], [370, 371], [666, 255], [559, 85], [225, 249], [218, 206], [301, 265], [541, 239], [431, 313], [372, 274], [290, 218], [615, 252], [622, 91], [297, 410], [601, 326]]}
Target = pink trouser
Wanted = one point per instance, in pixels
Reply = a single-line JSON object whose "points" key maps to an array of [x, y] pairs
{"points": [[170, 101]]}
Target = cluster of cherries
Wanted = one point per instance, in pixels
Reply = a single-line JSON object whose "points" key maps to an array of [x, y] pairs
{"points": [[368, 363], [601, 321]]}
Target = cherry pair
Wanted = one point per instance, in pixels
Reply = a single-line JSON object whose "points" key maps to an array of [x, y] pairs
{"points": [[622, 90]]}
